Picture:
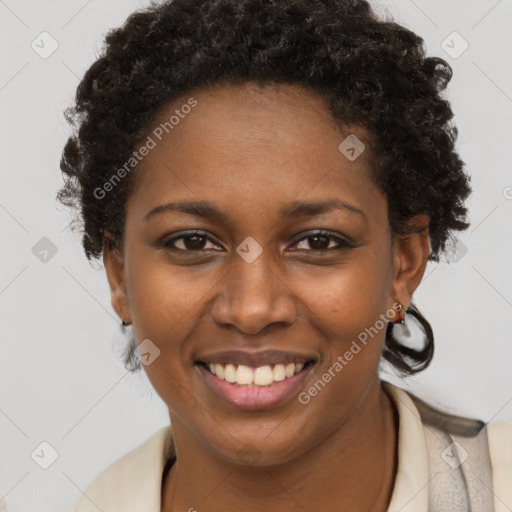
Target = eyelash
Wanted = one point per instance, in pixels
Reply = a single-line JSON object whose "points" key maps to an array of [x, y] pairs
{"points": [[342, 243]]}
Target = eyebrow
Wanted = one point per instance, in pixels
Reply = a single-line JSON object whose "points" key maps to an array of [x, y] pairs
{"points": [[197, 208], [310, 208], [289, 211]]}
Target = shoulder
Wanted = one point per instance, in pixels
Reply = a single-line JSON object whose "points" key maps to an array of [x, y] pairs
{"points": [[499, 435], [483, 450], [132, 482], [467, 453], [450, 423], [496, 432], [501, 431]]}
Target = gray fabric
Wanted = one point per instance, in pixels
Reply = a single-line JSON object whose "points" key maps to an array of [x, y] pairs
{"points": [[460, 471]]}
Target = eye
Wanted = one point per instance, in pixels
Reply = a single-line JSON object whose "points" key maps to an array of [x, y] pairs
{"points": [[196, 241], [191, 241], [320, 241]]}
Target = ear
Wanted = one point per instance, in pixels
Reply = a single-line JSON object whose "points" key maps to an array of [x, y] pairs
{"points": [[410, 258], [114, 268]]}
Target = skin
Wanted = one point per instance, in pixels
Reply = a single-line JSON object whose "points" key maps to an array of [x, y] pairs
{"points": [[250, 151]]}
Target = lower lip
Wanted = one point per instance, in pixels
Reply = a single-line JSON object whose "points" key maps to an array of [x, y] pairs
{"points": [[257, 397]]}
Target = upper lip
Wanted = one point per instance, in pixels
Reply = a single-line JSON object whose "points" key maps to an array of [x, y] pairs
{"points": [[254, 359]]}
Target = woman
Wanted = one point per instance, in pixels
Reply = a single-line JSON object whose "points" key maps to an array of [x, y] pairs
{"points": [[266, 181]]}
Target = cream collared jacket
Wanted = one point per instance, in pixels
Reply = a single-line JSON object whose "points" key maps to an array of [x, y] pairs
{"points": [[445, 464]]}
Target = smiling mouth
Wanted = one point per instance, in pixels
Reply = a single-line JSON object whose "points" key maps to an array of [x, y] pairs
{"points": [[253, 377]]}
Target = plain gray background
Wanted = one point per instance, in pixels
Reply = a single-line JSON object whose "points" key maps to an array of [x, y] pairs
{"points": [[61, 381]]}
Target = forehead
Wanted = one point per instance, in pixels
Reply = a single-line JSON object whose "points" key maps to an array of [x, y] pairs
{"points": [[252, 145]]}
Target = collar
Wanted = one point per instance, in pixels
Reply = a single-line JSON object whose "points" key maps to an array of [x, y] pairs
{"points": [[410, 493], [133, 482]]}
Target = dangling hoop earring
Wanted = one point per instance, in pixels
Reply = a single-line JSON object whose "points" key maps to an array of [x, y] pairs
{"points": [[408, 359]]}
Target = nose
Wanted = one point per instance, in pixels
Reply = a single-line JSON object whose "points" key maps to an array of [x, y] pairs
{"points": [[253, 297]]}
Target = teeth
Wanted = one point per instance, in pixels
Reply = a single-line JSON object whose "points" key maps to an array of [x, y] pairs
{"points": [[279, 372], [243, 375], [289, 369], [230, 373], [219, 371], [263, 376]]}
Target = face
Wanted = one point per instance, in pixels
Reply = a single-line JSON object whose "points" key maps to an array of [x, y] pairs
{"points": [[256, 251]]}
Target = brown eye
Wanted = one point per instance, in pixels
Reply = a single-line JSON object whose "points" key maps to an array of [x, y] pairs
{"points": [[194, 242], [191, 242], [320, 241]]}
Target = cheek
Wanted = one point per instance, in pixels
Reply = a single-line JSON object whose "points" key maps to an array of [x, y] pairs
{"points": [[168, 303], [164, 298], [350, 297], [349, 305]]}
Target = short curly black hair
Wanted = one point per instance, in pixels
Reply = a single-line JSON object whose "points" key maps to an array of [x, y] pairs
{"points": [[373, 73]]}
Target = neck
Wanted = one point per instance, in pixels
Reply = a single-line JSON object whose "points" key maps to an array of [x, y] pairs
{"points": [[354, 469]]}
